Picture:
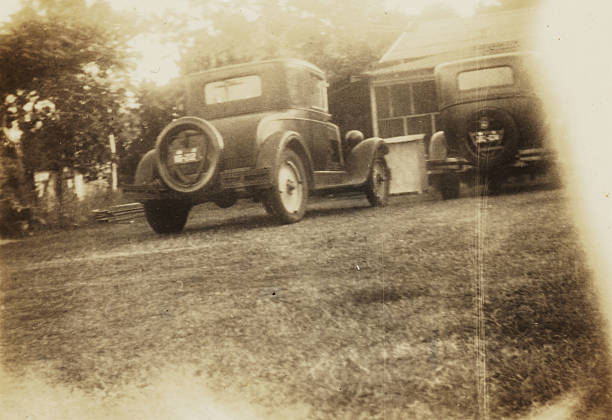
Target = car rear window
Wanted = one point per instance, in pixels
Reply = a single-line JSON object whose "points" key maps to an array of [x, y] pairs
{"points": [[235, 89], [483, 78]]}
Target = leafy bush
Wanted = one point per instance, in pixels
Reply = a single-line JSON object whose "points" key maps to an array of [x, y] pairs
{"points": [[14, 213]]}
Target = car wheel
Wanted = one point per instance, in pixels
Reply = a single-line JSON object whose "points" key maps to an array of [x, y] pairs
{"points": [[377, 187], [286, 200], [449, 186], [167, 216]]}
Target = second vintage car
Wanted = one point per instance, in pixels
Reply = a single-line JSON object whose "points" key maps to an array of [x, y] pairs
{"points": [[493, 120], [261, 131]]}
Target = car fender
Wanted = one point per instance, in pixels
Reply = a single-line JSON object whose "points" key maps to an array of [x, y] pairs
{"points": [[272, 124], [146, 169], [270, 151], [438, 147], [360, 158]]}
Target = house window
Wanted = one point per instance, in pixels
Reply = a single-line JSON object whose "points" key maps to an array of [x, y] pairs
{"points": [[419, 125], [391, 127], [401, 100], [424, 97], [406, 108], [383, 102]]}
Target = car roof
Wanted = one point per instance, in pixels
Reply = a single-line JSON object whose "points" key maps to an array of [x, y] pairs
{"points": [[485, 61], [291, 62]]}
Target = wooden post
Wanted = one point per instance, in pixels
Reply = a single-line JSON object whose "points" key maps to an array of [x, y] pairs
{"points": [[373, 109], [113, 148]]}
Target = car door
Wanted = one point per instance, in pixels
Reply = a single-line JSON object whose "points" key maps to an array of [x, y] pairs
{"points": [[324, 135]]}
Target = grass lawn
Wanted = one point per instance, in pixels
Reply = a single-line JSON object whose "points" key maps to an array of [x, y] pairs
{"points": [[423, 309]]}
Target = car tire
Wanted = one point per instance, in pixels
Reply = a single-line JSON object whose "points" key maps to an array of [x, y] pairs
{"points": [[486, 159], [449, 186], [167, 216], [286, 200], [377, 186]]}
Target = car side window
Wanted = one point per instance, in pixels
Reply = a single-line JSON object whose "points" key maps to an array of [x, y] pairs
{"points": [[307, 89], [319, 93]]}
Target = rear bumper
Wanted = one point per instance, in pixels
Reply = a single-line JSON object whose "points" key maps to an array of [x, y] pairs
{"points": [[153, 191], [245, 177], [526, 159], [232, 179], [448, 165]]}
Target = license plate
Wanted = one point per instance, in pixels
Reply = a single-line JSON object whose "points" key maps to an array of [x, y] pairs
{"points": [[487, 137], [186, 155]]}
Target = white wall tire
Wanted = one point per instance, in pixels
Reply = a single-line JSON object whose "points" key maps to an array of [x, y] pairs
{"points": [[377, 187], [286, 200]]}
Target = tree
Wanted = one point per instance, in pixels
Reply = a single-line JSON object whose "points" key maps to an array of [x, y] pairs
{"points": [[62, 71], [341, 40], [157, 107], [14, 210]]}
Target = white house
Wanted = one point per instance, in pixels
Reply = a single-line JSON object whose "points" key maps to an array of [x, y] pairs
{"points": [[403, 98]]}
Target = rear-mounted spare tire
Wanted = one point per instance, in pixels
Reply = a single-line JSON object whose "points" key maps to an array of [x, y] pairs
{"points": [[492, 138], [188, 152]]}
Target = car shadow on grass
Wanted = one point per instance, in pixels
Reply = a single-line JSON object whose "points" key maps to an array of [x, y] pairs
{"points": [[333, 211], [511, 188], [248, 216], [222, 223], [234, 224], [226, 225], [528, 188]]}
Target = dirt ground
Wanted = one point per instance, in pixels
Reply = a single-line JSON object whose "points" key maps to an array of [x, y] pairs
{"points": [[423, 309]]}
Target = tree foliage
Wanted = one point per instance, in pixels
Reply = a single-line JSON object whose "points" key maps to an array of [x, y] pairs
{"points": [[67, 100], [49, 37], [341, 40], [157, 107], [62, 70]]}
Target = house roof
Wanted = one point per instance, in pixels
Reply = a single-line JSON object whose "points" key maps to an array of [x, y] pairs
{"points": [[429, 43]]}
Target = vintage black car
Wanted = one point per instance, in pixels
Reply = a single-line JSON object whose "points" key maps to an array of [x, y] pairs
{"points": [[259, 130], [491, 115]]}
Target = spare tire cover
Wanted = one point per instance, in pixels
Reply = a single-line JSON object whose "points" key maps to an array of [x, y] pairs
{"points": [[492, 138], [188, 152]]}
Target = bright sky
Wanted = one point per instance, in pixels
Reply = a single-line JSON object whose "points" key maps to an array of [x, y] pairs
{"points": [[158, 61]]}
